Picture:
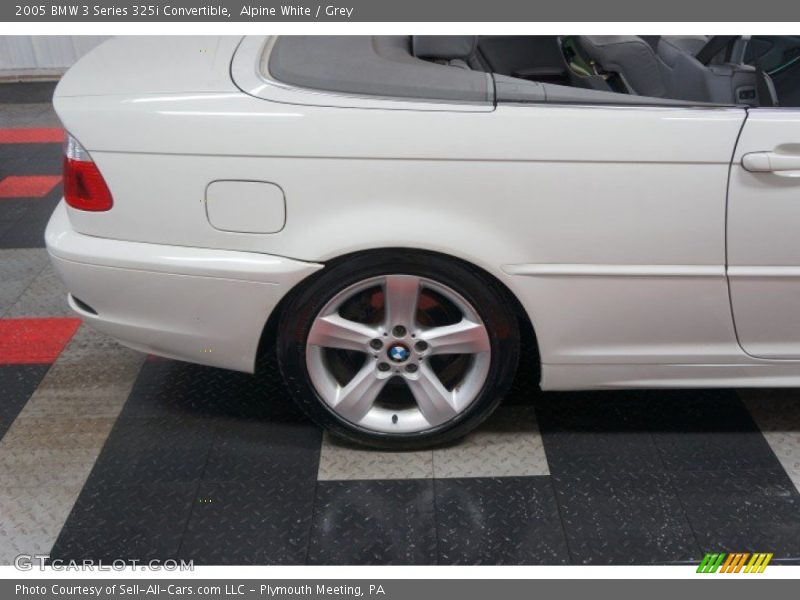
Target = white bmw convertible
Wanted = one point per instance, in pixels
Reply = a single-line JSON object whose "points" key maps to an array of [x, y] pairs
{"points": [[389, 213]]}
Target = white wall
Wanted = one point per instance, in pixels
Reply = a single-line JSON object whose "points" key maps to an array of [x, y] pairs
{"points": [[42, 55]]}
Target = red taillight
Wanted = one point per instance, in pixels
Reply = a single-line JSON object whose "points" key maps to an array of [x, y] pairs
{"points": [[84, 186]]}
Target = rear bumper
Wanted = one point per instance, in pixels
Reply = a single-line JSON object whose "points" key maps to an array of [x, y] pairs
{"points": [[196, 304]]}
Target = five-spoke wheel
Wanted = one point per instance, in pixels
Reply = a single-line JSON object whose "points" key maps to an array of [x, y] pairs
{"points": [[400, 353], [395, 344]]}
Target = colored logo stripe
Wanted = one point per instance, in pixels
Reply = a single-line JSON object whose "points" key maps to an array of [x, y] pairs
{"points": [[33, 186], [758, 563], [734, 562], [710, 563], [34, 341], [39, 135]]}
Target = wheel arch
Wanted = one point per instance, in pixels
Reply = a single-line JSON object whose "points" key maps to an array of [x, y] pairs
{"points": [[529, 341]]}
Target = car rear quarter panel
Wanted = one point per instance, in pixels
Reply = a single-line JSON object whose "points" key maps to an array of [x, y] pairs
{"points": [[151, 65], [508, 190]]}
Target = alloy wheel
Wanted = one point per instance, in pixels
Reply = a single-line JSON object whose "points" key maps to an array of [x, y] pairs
{"points": [[398, 353]]}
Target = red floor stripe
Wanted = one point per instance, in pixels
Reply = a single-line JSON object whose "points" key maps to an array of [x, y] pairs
{"points": [[32, 186], [34, 341], [37, 135]]}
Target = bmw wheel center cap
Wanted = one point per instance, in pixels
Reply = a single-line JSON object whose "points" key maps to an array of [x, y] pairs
{"points": [[398, 353]]}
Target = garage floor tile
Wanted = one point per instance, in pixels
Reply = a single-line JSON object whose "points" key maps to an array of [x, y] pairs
{"points": [[22, 161], [583, 452], [31, 518], [31, 135], [594, 433], [242, 523], [10, 212], [111, 522], [13, 456], [742, 511], [172, 389], [17, 383], [511, 520], [52, 435], [340, 460], [28, 230], [140, 451], [775, 409], [28, 114], [508, 444], [151, 507], [22, 94], [15, 112], [34, 340], [23, 220], [91, 378], [626, 518], [706, 430], [88, 346], [786, 446], [18, 269], [42, 450], [113, 544], [46, 296], [17, 160], [27, 186], [694, 451], [777, 414], [373, 522], [58, 470], [96, 391], [260, 450], [28, 543]]}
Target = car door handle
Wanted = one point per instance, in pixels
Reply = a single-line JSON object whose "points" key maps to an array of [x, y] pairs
{"points": [[771, 162]]}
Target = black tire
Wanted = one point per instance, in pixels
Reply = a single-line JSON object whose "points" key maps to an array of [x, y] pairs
{"points": [[303, 305]]}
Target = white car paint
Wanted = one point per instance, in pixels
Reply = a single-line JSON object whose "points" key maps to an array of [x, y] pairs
{"points": [[763, 237], [202, 305], [245, 206], [608, 223]]}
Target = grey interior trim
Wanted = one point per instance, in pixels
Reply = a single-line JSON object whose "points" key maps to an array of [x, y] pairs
{"points": [[373, 65], [513, 90], [383, 66]]}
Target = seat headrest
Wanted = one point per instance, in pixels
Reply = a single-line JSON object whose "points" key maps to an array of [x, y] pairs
{"points": [[443, 47]]}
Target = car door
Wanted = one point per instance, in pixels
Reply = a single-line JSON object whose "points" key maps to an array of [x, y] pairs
{"points": [[764, 233]]}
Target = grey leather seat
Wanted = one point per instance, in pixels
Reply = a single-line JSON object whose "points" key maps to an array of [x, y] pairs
{"points": [[691, 44], [629, 56], [668, 67], [455, 50]]}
